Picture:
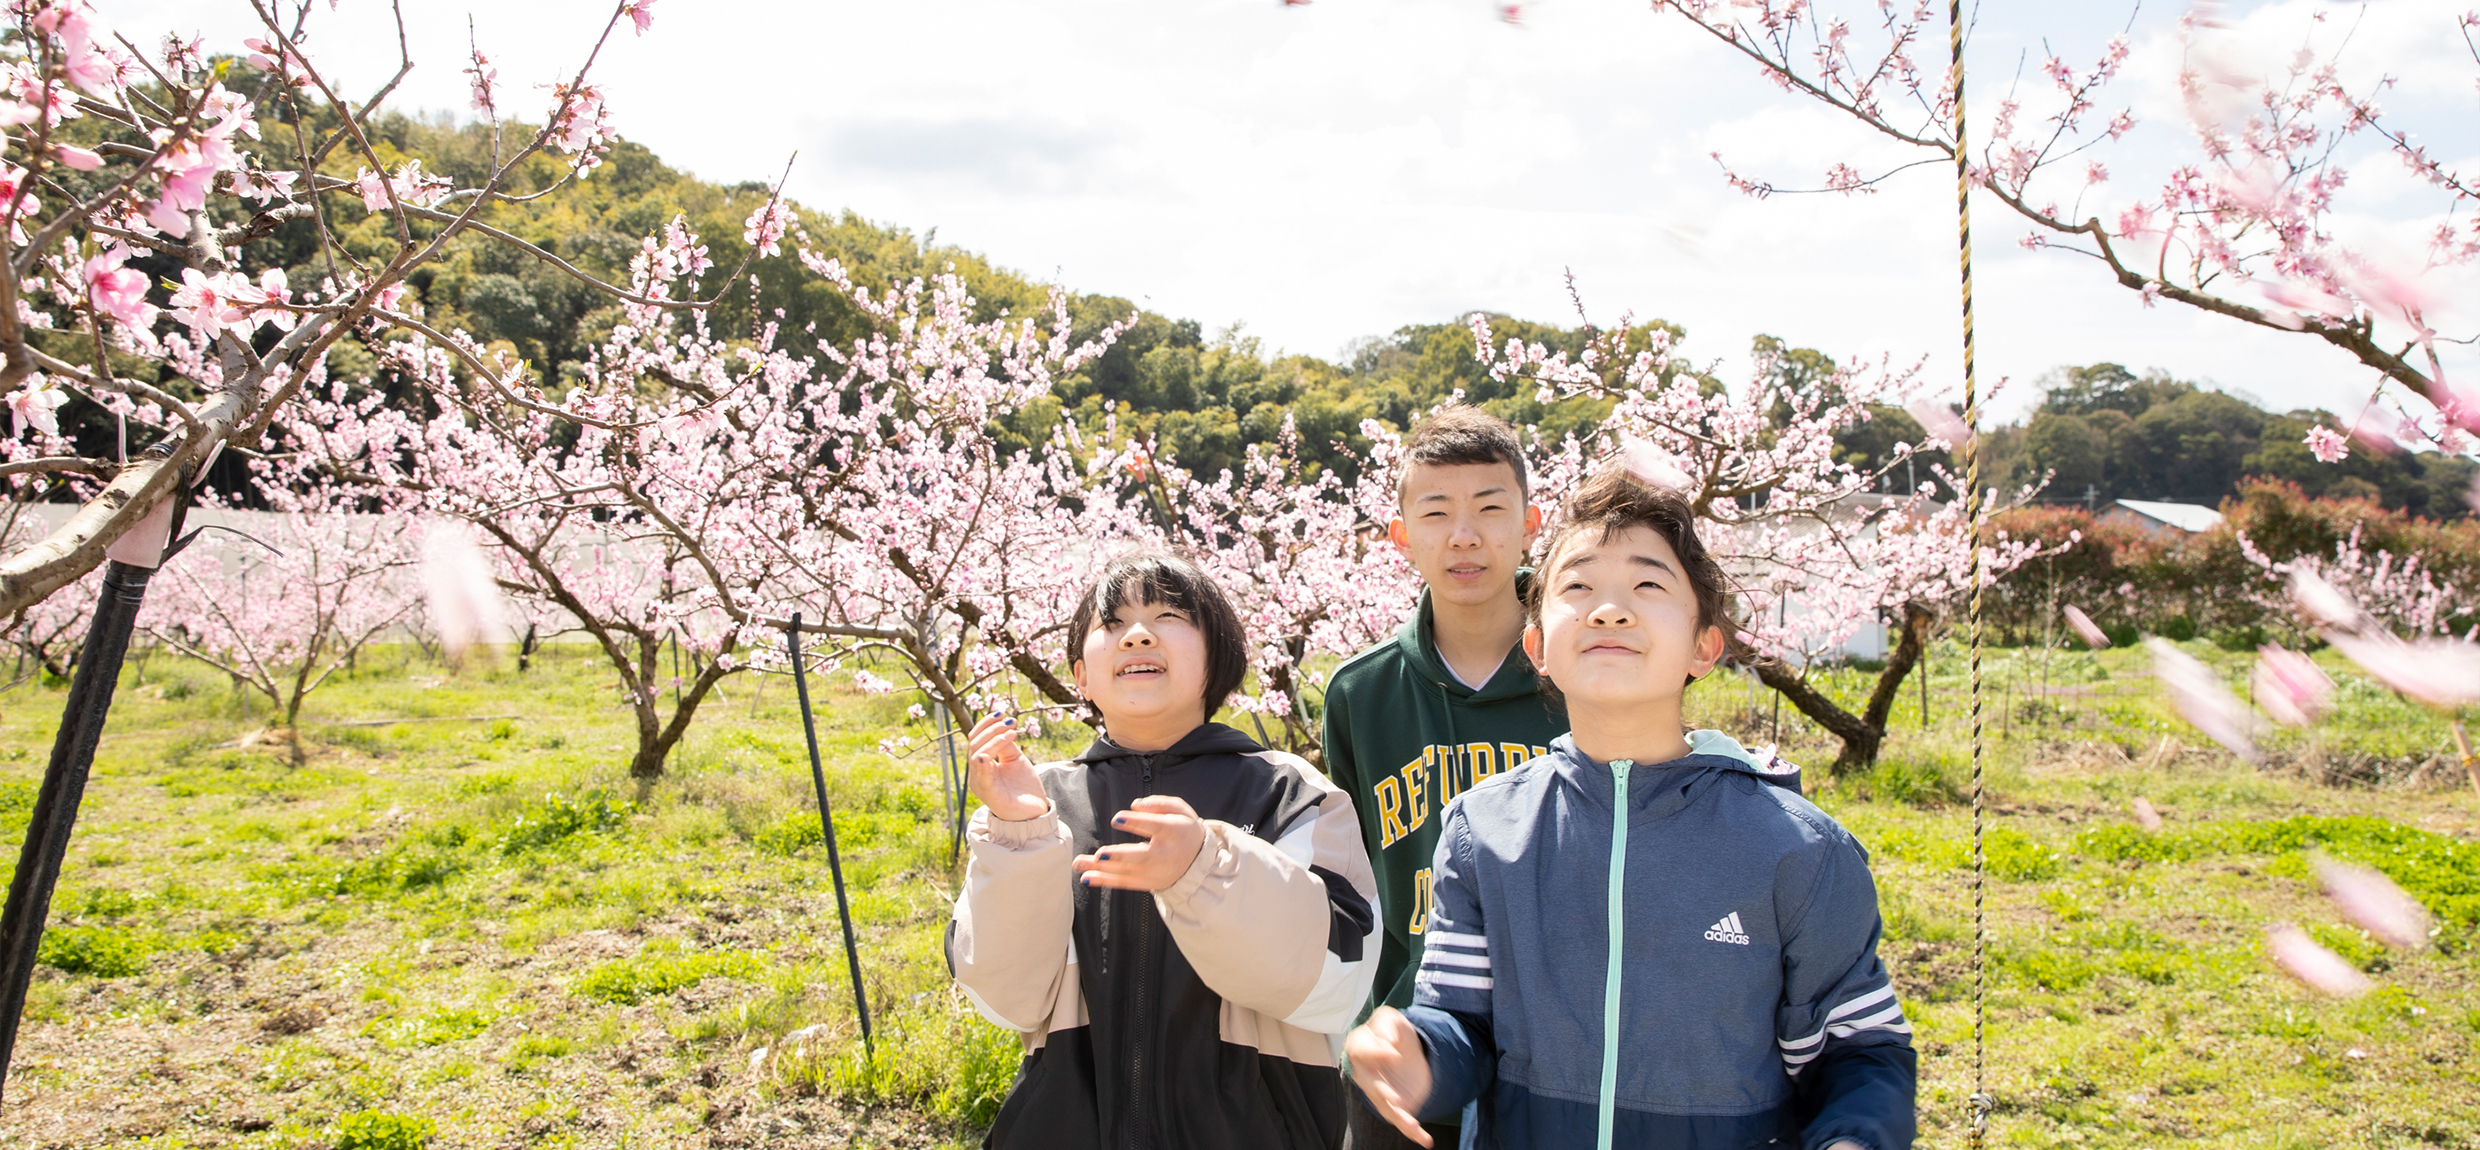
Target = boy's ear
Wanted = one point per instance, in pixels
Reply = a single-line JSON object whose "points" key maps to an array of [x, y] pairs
{"points": [[1532, 524], [1709, 646], [1076, 675], [1397, 535], [1532, 647]]}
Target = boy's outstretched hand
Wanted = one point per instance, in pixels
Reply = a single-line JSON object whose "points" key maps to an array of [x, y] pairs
{"points": [[1392, 1069], [1174, 832], [1000, 774]]}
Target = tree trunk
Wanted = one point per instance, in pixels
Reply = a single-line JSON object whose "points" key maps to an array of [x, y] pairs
{"points": [[1862, 734]]}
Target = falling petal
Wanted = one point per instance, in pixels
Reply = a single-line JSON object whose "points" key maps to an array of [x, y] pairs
{"points": [[2146, 816], [2371, 900], [2439, 672], [2319, 968], [1654, 467], [2290, 687], [464, 598], [2084, 628], [1940, 420], [2323, 605], [2203, 701]]}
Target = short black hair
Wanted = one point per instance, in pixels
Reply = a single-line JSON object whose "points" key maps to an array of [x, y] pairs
{"points": [[1463, 436], [1614, 501], [1153, 575]]}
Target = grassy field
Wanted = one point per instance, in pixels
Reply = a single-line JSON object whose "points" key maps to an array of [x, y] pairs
{"points": [[455, 924]]}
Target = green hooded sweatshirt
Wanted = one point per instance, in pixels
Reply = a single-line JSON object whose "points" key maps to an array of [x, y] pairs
{"points": [[1402, 737]]}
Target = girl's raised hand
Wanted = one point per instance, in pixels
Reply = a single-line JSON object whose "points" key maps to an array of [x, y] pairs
{"points": [[1000, 774], [1174, 835]]}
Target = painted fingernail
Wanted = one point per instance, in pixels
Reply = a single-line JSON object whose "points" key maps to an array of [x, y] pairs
{"points": [[1104, 856], [1088, 880], [1011, 720], [1120, 821]]}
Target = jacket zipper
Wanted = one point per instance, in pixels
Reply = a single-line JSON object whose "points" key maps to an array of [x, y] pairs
{"points": [[1133, 1131], [1610, 966]]}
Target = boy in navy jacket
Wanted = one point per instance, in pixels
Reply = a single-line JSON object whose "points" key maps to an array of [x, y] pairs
{"points": [[1692, 966]]}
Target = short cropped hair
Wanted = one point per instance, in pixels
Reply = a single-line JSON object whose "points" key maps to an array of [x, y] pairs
{"points": [[1613, 502], [1153, 575], [1460, 436]]}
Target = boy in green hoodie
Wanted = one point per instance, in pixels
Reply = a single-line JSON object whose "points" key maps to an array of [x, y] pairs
{"points": [[1451, 700]]}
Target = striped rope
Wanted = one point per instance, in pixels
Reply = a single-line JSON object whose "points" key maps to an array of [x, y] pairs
{"points": [[1980, 1101]]}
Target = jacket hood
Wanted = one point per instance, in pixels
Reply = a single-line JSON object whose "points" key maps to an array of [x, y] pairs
{"points": [[1207, 739], [1418, 641]]}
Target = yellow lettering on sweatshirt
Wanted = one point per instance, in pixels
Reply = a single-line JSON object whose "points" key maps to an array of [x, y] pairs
{"points": [[1417, 786], [1511, 756], [1484, 761], [1390, 811], [1420, 901]]}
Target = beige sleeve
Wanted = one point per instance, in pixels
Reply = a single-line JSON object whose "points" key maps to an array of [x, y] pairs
{"points": [[1253, 920], [1010, 945]]}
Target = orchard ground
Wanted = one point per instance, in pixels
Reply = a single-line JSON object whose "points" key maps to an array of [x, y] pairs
{"points": [[456, 924]]}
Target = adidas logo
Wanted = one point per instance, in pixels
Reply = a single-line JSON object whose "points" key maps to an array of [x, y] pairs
{"points": [[1728, 930]]}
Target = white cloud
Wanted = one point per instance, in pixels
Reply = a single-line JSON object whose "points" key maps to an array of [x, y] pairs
{"points": [[1337, 170]]}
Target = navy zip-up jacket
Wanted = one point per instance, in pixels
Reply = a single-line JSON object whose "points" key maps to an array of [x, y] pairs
{"points": [[1750, 1006]]}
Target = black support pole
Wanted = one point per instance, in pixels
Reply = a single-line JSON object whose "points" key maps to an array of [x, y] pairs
{"points": [[826, 824], [64, 786]]}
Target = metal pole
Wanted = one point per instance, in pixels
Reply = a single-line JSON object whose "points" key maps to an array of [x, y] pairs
{"points": [[64, 787], [826, 825]]}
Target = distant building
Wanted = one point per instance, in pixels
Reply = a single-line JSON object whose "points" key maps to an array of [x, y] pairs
{"points": [[2159, 518]]}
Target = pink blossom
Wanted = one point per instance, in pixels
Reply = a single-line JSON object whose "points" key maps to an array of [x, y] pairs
{"points": [[485, 83], [37, 405], [2320, 969], [2146, 816], [264, 185], [208, 304], [766, 226], [2084, 628], [82, 159], [119, 291], [2371, 900], [2203, 701], [641, 11], [2327, 444], [2289, 686]]}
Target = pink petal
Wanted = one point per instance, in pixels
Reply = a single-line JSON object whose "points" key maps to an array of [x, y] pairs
{"points": [[2289, 686], [464, 597], [2202, 700], [2372, 900], [2146, 816], [2321, 969], [1940, 420], [2321, 603], [1654, 467], [2439, 672], [2084, 628]]}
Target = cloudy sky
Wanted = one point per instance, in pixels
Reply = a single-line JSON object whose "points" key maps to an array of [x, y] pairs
{"points": [[1335, 170]]}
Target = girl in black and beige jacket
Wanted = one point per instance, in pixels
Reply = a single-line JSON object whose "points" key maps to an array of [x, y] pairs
{"points": [[1181, 933]]}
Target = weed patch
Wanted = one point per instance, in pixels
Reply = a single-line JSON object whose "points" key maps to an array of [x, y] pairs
{"points": [[374, 1130], [629, 981], [100, 951]]}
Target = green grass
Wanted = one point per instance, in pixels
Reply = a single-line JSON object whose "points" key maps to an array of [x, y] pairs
{"points": [[441, 933]]}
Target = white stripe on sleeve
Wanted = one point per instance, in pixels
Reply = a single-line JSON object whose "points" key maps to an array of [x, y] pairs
{"points": [[1442, 978], [1454, 958], [1450, 938]]}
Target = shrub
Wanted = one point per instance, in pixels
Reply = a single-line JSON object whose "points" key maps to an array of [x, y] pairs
{"points": [[375, 1130]]}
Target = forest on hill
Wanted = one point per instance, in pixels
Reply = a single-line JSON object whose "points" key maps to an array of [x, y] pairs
{"points": [[1202, 397]]}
